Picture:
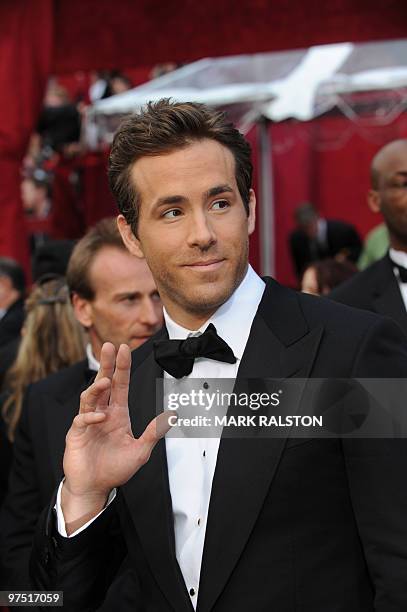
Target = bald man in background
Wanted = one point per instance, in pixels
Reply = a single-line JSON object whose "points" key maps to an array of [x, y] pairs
{"points": [[382, 287]]}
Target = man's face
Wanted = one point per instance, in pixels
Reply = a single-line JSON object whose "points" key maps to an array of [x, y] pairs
{"points": [[31, 195], [7, 292], [309, 282], [392, 195], [311, 228], [193, 228], [126, 308]]}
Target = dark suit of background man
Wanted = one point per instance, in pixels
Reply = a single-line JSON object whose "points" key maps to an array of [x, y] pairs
{"points": [[115, 298], [237, 524], [12, 289], [382, 287], [317, 238]]}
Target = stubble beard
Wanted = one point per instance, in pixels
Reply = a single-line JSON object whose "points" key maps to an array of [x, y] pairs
{"points": [[397, 230], [202, 302]]}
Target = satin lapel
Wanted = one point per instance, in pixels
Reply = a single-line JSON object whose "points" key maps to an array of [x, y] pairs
{"points": [[387, 299], [147, 494], [245, 467]]}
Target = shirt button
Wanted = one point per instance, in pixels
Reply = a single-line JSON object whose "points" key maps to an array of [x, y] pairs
{"points": [[204, 454], [192, 592], [199, 522], [205, 385]]}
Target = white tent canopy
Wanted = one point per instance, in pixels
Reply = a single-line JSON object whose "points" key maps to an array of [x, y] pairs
{"points": [[299, 84]]}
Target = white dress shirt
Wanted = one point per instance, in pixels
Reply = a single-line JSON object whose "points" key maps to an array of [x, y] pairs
{"points": [[400, 258], [192, 461], [92, 361]]}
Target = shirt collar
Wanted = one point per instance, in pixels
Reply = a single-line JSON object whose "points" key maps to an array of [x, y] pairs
{"points": [[322, 230], [92, 361], [398, 257], [233, 319]]}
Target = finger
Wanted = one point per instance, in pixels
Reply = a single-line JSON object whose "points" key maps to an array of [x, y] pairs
{"points": [[82, 421], [107, 361], [96, 396], [154, 431], [121, 377]]}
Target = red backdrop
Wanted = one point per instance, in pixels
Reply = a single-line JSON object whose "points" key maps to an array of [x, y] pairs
{"points": [[325, 162], [104, 34], [39, 37], [26, 33]]}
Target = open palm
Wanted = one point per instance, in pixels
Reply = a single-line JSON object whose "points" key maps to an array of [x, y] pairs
{"points": [[101, 452]]}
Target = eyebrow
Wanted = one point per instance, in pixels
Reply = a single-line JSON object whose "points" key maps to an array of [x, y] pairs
{"points": [[219, 189], [134, 294], [127, 294], [179, 199]]}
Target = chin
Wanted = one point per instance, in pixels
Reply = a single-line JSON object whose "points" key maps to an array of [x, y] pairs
{"points": [[206, 300], [133, 344]]}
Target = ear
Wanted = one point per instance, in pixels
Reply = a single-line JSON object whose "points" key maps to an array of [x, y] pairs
{"points": [[83, 310], [132, 243], [5, 286], [251, 220], [373, 200]]}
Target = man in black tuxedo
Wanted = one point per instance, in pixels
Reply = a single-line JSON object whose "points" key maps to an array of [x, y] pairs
{"points": [[12, 289], [382, 287], [317, 238], [237, 523], [115, 298]]}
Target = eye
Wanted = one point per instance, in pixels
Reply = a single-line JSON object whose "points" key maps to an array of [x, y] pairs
{"points": [[130, 299], [399, 185], [220, 205], [172, 214]]}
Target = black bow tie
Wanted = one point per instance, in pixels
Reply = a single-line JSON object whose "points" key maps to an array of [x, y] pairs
{"points": [[402, 271], [177, 356]]}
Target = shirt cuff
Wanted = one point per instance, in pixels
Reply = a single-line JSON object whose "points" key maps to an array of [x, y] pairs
{"points": [[60, 515]]}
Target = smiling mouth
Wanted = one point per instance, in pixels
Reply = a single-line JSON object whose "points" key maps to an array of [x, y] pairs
{"points": [[212, 264], [144, 337]]}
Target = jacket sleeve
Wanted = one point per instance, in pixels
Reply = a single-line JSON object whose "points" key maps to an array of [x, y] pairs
{"points": [[377, 470], [20, 511], [82, 567], [354, 244]]}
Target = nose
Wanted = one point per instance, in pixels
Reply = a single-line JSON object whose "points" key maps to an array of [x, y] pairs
{"points": [[150, 312], [201, 232]]}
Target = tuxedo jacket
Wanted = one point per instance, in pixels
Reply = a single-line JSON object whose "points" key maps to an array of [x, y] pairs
{"points": [[294, 524], [11, 322], [48, 410], [339, 235], [5, 453], [8, 354], [375, 289]]}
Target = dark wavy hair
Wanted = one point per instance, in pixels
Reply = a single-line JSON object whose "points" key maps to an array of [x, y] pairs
{"points": [[165, 126]]}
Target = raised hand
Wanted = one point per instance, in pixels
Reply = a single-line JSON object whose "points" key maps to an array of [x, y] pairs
{"points": [[101, 452]]}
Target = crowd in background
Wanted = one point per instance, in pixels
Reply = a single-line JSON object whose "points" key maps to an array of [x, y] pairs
{"points": [[57, 142]]}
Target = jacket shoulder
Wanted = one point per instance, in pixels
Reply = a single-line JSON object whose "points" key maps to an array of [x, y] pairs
{"points": [[290, 309], [66, 380], [318, 309], [359, 288]]}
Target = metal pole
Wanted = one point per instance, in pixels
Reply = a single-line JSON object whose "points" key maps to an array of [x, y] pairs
{"points": [[266, 208]]}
